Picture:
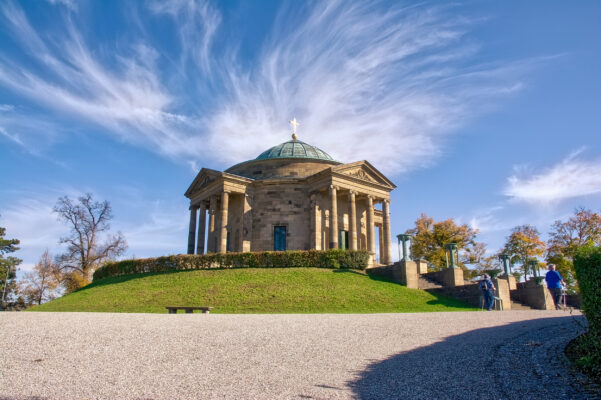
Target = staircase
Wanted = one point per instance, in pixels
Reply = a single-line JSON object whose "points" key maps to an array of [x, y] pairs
{"points": [[516, 306], [468, 293], [425, 283]]}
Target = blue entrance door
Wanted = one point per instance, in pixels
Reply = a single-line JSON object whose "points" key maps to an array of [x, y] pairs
{"points": [[343, 240], [279, 238]]}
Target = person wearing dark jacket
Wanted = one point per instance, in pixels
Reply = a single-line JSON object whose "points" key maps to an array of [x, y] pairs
{"points": [[488, 291]]}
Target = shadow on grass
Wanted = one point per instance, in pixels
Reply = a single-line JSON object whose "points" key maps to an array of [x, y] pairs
{"points": [[347, 271], [379, 278], [494, 363]]}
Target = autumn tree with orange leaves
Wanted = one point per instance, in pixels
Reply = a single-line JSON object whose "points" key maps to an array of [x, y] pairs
{"points": [[523, 245], [566, 237], [430, 237]]}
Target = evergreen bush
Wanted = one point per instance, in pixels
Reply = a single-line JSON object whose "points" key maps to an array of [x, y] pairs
{"points": [[351, 259], [587, 263]]}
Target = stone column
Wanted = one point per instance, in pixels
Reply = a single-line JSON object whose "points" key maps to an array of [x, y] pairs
{"points": [[212, 210], [353, 220], [200, 241], [315, 227], [225, 200], [247, 228], [192, 230], [386, 223], [333, 218], [371, 238], [245, 224], [381, 243]]}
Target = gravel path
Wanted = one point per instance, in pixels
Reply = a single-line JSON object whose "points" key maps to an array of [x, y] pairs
{"points": [[456, 355]]}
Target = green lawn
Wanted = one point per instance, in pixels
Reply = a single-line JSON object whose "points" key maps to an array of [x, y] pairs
{"points": [[273, 290]]}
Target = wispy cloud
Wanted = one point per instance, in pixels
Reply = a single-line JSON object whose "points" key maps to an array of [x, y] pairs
{"points": [[571, 178], [70, 4], [367, 82]]}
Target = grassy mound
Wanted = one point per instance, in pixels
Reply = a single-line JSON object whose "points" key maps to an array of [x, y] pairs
{"points": [[255, 290]]}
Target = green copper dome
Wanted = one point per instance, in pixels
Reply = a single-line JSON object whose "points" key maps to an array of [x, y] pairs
{"points": [[294, 149]]}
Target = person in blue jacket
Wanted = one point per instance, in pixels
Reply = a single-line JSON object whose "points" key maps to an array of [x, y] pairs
{"points": [[488, 291], [555, 284]]}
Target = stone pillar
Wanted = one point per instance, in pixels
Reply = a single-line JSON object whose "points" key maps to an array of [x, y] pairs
{"points": [[503, 292], [225, 202], [247, 223], [371, 238], [211, 237], [333, 218], [353, 220], [315, 227], [387, 257], [200, 241], [381, 243], [192, 230]]}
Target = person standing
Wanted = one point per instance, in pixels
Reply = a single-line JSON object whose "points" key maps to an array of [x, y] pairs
{"points": [[488, 291], [554, 284]]}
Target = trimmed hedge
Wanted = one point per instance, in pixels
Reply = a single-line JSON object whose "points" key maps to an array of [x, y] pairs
{"points": [[587, 263], [269, 259]]}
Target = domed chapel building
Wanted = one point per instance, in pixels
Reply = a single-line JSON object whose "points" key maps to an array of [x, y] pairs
{"points": [[293, 196]]}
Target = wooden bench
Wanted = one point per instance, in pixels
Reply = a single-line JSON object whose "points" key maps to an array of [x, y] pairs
{"points": [[189, 310]]}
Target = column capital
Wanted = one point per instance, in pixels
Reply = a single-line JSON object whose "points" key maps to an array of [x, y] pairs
{"points": [[194, 207], [386, 201], [353, 192], [333, 187]]}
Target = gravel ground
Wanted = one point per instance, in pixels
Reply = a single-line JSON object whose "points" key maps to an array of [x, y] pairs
{"points": [[456, 355]]}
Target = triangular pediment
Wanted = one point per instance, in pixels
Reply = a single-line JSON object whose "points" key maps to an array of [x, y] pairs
{"points": [[363, 171], [204, 178]]}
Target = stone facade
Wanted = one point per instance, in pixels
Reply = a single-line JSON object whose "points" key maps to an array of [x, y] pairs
{"points": [[316, 203]]}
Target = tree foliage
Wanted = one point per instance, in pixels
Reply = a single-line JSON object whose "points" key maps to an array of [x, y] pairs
{"points": [[565, 238], [86, 251], [523, 245], [430, 238], [8, 267], [41, 284]]}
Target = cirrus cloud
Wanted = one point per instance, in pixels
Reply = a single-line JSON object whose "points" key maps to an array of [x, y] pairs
{"points": [[367, 81], [571, 178]]}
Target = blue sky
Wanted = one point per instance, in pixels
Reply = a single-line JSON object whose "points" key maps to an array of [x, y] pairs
{"points": [[482, 111]]}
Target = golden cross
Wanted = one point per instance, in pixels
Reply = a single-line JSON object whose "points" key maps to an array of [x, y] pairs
{"points": [[294, 124]]}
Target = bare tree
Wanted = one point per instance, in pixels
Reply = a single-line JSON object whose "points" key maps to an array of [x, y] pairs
{"points": [[41, 284], [85, 251]]}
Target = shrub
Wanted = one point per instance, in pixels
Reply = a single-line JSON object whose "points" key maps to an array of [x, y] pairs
{"points": [[587, 263], [268, 259]]}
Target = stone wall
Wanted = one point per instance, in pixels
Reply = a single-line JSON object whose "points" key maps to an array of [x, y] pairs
{"points": [[469, 293], [447, 277], [534, 295], [280, 168], [404, 272], [282, 205]]}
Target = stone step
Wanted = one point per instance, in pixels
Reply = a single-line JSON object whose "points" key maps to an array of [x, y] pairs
{"points": [[423, 283], [515, 306]]}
